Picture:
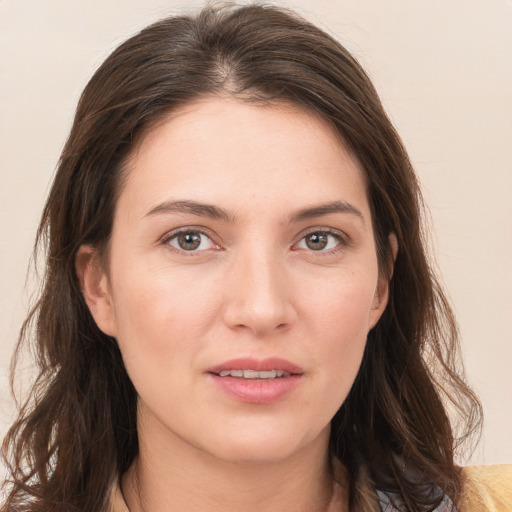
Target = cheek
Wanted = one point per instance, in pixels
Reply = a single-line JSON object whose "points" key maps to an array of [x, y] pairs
{"points": [[338, 316], [156, 297], [162, 320], [341, 304]]}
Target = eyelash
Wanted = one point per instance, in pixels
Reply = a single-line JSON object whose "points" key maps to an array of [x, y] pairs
{"points": [[167, 239], [342, 240]]}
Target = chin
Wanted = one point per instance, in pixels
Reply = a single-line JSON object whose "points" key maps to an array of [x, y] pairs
{"points": [[245, 454], [266, 446]]}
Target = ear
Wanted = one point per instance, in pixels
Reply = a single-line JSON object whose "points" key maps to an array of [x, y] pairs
{"points": [[380, 299], [95, 288]]}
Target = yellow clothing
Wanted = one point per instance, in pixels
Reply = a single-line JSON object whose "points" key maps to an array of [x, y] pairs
{"points": [[487, 489]]}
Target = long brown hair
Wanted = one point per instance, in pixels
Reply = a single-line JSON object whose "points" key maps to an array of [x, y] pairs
{"points": [[77, 431]]}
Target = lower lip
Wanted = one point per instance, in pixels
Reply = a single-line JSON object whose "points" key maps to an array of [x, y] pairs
{"points": [[257, 391]]}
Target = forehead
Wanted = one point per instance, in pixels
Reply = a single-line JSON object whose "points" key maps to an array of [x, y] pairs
{"points": [[226, 149]]}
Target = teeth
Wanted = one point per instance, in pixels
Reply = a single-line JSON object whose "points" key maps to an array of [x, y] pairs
{"points": [[253, 374]]}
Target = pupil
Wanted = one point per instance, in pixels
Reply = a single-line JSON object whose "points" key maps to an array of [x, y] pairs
{"points": [[316, 241], [189, 241]]}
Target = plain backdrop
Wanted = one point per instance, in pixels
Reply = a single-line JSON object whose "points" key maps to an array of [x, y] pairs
{"points": [[443, 69]]}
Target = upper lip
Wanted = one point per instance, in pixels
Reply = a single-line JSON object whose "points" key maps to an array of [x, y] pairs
{"points": [[258, 365]]}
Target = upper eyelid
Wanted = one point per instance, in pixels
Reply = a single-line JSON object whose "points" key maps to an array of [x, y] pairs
{"points": [[330, 231], [341, 235], [344, 242], [171, 235], [187, 229]]}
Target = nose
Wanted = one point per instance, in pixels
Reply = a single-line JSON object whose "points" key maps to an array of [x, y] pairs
{"points": [[258, 292]]}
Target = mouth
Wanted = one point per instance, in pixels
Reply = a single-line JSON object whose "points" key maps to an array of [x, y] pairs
{"points": [[250, 368], [255, 381], [253, 374]]}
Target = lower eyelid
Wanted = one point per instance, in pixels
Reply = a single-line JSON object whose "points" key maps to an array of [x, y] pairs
{"points": [[342, 240], [167, 239]]}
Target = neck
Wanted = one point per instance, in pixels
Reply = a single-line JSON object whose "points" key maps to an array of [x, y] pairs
{"points": [[170, 475]]}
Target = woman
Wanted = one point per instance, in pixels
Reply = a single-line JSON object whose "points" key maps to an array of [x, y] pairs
{"points": [[238, 310]]}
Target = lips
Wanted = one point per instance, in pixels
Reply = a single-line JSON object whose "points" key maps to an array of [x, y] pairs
{"points": [[257, 365], [253, 374], [256, 381]]}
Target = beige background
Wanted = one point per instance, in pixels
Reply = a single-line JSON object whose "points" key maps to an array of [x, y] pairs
{"points": [[444, 72]]}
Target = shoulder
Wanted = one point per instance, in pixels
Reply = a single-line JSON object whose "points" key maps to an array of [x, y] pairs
{"points": [[487, 488]]}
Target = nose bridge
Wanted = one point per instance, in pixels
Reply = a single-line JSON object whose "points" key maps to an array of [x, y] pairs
{"points": [[259, 291]]}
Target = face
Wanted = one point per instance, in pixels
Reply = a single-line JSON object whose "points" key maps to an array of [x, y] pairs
{"points": [[243, 278]]}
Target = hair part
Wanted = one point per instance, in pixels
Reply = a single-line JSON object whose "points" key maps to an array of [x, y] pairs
{"points": [[77, 431]]}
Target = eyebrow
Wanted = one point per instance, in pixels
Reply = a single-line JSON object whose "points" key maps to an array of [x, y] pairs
{"points": [[194, 208], [326, 209], [217, 213]]}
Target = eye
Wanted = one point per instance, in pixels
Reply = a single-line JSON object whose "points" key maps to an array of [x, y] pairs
{"points": [[190, 241], [320, 241]]}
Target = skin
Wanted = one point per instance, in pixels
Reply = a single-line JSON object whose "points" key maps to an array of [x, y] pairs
{"points": [[257, 286]]}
